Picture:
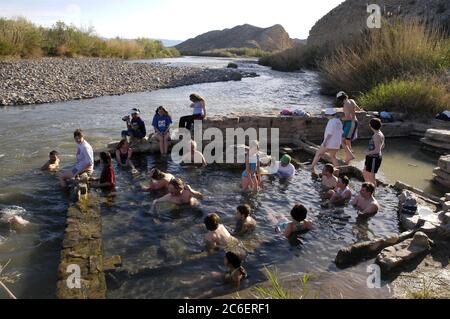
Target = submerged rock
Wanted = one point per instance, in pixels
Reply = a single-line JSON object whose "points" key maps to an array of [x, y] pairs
{"points": [[398, 255]]}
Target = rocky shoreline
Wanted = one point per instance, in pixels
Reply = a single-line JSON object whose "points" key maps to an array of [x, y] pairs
{"points": [[48, 80]]}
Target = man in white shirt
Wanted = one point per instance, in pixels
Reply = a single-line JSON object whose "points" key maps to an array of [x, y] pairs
{"points": [[285, 168], [332, 139], [85, 159]]}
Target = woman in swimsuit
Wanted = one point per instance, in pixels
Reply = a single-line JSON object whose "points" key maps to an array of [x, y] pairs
{"points": [[251, 177], [123, 155]]}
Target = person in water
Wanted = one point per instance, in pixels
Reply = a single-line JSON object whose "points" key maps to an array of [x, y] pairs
{"points": [[123, 155], [374, 155], [365, 202], [341, 194], [159, 180], [161, 123], [235, 273], [332, 139], [199, 112], [251, 177], [350, 124], [217, 236], [329, 180], [194, 157], [299, 223], [285, 168], [85, 159], [53, 162], [107, 179], [244, 222], [179, 194], [135, 126]]}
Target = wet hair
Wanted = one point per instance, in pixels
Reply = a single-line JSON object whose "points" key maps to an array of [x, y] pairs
{"points": [[157, 174], [233, 259], [53, 153], [244, 210], [177, 183], [78, 133], [345, 180], [196, 98], [121, 143], [164, 110], [105, 157], [212, 221], [369, 187], [376, 124], [299, 212], [329, 168]]}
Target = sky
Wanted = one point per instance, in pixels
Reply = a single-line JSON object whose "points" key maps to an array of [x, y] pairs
{"points": [[171, 19]]}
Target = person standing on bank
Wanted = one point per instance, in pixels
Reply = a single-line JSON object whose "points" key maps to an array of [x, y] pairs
{"points": [[135, 125], [161, 123], [85, 159], [199, 112], [374, 154], [350, 124]]}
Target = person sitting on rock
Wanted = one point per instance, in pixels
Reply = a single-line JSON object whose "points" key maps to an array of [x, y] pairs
{"points": [[52, 164], [300, 223], [194, 157], [161, 123], [218, 236], [179, 194], [159, 180], [329, 180], [199, 112], [341, 194], [365, 202], [85, 159], [107, 179], [135, 126], [244, 222]]}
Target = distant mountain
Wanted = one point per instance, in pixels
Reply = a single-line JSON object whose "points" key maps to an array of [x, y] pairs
{"points": [[270, 39], [169, 43]]}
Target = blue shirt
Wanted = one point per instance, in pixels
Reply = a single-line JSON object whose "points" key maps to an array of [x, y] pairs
{"points": [[161, 123]]}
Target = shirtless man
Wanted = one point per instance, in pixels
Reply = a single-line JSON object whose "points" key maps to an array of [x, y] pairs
{"points": [[218, 236], [194, 157], [365, 203], [350, 123], [179, 194], [159, 180], [52, 164]]}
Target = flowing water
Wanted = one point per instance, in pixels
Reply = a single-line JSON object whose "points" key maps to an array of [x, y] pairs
{"points": [[163, 253]]}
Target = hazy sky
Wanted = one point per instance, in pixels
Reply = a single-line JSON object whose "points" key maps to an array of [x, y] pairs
{"points": [[171, 19]]}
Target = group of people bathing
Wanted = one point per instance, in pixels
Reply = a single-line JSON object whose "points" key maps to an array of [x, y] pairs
{"points": [[336, 190]]}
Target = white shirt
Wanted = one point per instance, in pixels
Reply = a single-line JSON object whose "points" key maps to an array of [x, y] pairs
{"points": [[85, 156], [286, 171], [335, 129]]}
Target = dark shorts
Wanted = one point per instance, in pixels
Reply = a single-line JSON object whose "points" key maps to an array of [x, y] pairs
{"points": [[373, 164]]}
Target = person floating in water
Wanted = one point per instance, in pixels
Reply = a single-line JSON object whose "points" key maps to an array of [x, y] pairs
{"points": [[85, 159], [179, 194], [350, 124], [300, 223], [53, 162], [374, 155], [107, 179], [199, 112], [244, 222], [365, 202], [135, 126], [161, 123], [251, 177], [159, 180], [194, 156], [332, 139], [217, 236], [329, 180], [123, 155], [235, 273], [342, 194]]}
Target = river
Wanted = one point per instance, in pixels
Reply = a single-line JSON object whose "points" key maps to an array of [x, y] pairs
{"points": [[162, 253]]}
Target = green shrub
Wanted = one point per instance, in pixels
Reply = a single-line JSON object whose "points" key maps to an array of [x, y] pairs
{"points": [[425, 96], [301, 56]]}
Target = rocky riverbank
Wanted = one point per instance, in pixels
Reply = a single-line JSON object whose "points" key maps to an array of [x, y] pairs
{"points": [[57, 79]]}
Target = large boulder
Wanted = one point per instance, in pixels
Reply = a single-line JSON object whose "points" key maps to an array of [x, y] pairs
{"points": [[398, 255]]}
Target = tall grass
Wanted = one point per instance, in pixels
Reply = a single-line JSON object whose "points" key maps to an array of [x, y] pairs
{"points": [[21, 38], [396, 51]]}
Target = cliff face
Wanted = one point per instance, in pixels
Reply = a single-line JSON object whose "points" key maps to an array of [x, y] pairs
{"points": [[350, 17], [274, 38]]}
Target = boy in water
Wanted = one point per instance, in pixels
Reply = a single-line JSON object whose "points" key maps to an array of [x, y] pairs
{"points": [[329, 181], [244, 223], [179, 194], [300, 223], [218, 236], [52, 164], [341, 194]]}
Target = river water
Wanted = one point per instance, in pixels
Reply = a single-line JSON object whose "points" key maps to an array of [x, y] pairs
{"points": [[163, 253]]}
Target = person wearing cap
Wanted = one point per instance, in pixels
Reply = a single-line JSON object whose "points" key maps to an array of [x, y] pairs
{"points": [[332, 139], [286, 169], [350, 124], [136, 126]]}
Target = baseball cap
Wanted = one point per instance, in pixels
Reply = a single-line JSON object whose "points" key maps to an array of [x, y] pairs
{"points": [[340, 94], [330, 111], [286, 159], [135, 111]]}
